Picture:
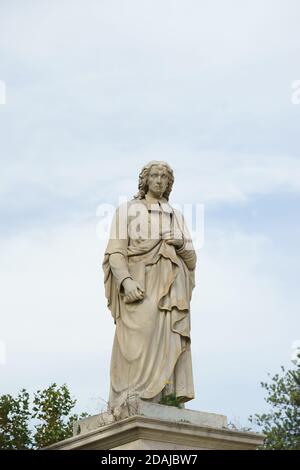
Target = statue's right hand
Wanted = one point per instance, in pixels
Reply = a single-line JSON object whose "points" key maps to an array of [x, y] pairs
{"points": [[132, 291]]}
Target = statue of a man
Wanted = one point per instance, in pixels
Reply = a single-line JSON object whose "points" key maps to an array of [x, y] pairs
{"points": [[149, 269]]}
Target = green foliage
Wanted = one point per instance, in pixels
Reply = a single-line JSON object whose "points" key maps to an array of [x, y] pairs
{"points": [[281, 425], [51, 413], [14, 420], [170, 400], [52, 408]]}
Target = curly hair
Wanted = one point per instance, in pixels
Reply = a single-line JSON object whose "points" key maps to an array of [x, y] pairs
{"points": [[143, 179]]}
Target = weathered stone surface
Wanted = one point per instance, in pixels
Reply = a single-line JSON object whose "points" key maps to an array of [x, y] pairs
{"points": [[152, 410], [144, 433], [158, 427]]}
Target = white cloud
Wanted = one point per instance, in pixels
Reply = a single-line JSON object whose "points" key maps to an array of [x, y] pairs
{"points": [[212, 28], [219, 178], [243, 321], [223, 178], [54, 319], [123, 82]]}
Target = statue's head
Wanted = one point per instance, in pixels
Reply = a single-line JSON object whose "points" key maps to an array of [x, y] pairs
{"points": [[148, 178]]}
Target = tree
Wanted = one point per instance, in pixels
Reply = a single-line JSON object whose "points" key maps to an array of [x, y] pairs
{"points": [[52, 408], [14, 421], [281, 425], [50, 418]]}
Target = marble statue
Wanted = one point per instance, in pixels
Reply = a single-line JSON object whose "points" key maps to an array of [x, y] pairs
{"points": [[149, 267]]}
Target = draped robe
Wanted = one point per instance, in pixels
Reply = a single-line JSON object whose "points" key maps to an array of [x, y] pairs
{"points": [[151, 353]]}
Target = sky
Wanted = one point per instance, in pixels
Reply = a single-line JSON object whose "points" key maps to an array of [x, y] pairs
{"points": [[93, 91]]}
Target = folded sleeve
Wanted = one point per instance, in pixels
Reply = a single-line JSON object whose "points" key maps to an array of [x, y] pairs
{"points": [[186, 251], [116, 250], [119, 267], [188, 254]]}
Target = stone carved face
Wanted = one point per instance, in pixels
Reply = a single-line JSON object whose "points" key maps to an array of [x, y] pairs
{"points": [[157, 181]]}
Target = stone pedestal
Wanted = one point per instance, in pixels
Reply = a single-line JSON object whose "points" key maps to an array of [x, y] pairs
{"points": [[149, 426]]}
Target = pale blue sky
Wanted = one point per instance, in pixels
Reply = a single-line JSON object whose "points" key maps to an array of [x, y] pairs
{"points": [[95, 90]]}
